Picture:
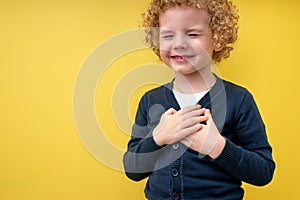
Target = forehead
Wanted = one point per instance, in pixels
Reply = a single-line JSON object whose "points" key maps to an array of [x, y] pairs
{"points": [[184, 17]]}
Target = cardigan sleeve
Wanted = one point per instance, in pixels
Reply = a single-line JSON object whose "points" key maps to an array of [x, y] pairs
{"points": [[142, 152], [249, 157]]}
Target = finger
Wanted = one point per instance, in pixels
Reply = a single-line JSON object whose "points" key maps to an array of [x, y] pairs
{"points": [[203, 120], [190, 108], [190, 122], [193, 121], [193, 113], [190, 130]]}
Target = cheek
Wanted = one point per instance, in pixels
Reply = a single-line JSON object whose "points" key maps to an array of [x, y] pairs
{"points": [[164, 55], [203, 48], [165, 46], [164, 50]]}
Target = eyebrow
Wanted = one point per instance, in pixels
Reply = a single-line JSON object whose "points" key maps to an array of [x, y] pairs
{"points": [[165, 31], [195, 30]]}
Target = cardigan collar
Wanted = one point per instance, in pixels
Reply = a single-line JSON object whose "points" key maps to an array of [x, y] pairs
{"points": [[217, 89], [215, 100]]}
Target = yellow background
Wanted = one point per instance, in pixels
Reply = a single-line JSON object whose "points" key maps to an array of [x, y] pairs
{"points": [[44, 43]]}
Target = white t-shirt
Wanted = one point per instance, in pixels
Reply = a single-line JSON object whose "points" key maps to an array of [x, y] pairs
{"points": [[185, 100]]}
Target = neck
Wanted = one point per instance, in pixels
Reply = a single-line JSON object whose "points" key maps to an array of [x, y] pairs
{"points": [[194, 83]]}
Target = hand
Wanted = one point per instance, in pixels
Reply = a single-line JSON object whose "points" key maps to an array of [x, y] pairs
{"points": [[208, 140], [176, 125]]}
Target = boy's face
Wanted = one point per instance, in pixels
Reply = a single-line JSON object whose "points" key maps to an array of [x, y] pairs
{"points": [[186, 43]]}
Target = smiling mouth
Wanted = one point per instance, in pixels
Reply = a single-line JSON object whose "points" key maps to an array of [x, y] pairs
{"points": [[178, 57]]}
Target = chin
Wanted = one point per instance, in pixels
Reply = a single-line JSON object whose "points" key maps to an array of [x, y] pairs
{"points": [[185, 71], [185, 67]]}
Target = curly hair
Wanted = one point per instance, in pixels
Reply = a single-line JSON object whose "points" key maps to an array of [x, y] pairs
{"points": [[223, 23]]}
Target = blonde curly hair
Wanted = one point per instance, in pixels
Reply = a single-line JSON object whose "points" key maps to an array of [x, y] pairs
{"points": [[223, 23]]}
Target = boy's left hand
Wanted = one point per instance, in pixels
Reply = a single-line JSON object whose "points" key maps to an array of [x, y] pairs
{"points": [[208, 140]]}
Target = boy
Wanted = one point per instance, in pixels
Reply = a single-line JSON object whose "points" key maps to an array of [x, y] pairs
{"points": [[197, 137]]}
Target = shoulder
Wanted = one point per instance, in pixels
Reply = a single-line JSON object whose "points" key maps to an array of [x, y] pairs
{"points": [[157, 95], [234, 88], [237, 96], [159, 90], [235, 91], [240, 98], [154, 103]]}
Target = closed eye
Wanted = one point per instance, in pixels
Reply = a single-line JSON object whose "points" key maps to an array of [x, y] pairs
{"points": [[193, 35], [167, 36]]}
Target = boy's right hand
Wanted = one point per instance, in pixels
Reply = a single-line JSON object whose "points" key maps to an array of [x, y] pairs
{"points": [[176, 125]]}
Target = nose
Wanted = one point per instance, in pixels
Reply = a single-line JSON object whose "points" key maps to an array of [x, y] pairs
{"points": [[180, 42]]}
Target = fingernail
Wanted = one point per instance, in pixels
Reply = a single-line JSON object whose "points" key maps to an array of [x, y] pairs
{"points": [[199, 126]]}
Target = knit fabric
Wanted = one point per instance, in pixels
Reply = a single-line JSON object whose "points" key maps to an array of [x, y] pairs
{"points": [[178, 172]]}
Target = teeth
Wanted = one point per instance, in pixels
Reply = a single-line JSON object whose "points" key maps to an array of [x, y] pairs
{"points": [[181, 57]]}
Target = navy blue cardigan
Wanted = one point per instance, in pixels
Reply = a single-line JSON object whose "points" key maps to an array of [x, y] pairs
{"points": [[178, 172]]}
